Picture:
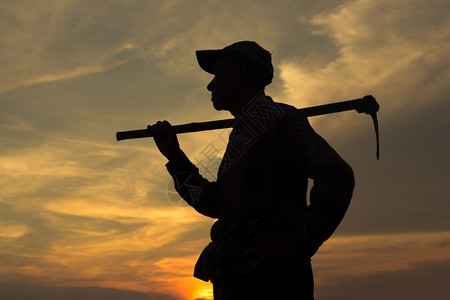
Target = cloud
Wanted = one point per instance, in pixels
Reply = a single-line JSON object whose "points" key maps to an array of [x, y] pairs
{"points": [[13, 230], [424, 281], [361, 255], [55, 41], [20, 291], [93, 217], [397, 56], [80, 209]]}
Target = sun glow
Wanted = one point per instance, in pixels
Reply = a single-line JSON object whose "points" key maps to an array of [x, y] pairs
{"points": [[203, 291], [194, 289]]}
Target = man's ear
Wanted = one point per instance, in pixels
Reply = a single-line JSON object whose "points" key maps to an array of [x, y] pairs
{"points": [[250, 76], [245, 71], [241, 66]]}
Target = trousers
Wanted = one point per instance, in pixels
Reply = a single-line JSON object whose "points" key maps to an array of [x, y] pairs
{"points": [[275, 279]]}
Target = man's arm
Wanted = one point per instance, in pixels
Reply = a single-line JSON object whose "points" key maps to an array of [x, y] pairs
{"points": [[192, 187], [330, 196], [333, 183]]}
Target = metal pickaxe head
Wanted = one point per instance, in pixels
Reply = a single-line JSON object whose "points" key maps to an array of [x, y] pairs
{"points": [[370, 106]]}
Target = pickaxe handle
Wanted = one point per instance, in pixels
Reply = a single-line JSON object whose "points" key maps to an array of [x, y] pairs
{"points": [[366, 104]]}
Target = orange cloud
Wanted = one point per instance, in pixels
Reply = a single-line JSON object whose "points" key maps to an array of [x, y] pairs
{"points": [[12, 230], [371, 254]]}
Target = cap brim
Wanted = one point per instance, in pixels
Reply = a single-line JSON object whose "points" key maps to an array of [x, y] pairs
{"points": [[207, 58]]}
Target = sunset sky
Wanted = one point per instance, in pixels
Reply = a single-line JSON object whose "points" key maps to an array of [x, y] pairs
{"points": [[85, 216]]}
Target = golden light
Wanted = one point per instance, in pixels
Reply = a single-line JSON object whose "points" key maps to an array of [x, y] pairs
{"points": [[204, 292], [195, 289]]}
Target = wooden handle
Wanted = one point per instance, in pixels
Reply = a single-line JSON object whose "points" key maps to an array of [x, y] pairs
{"points": [[367, 104]]}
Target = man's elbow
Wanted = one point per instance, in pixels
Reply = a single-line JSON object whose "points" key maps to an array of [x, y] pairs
{"points": [[348, 175], [346, 179], [341, 177]]}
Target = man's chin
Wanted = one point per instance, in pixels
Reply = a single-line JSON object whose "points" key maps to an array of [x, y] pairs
{"points": [[217, 105]]}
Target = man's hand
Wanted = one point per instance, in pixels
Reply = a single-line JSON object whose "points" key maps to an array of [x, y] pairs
{"points": [[165, 138], [272, 245]]}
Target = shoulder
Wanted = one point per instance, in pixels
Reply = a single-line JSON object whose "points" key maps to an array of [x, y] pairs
{"points": [[291, 116]]}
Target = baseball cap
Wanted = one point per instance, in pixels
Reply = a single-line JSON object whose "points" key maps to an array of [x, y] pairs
{"points": [[257, 57]]}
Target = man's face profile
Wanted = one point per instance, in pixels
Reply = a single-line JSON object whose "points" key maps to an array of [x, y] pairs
{"points": [[226, 84]]}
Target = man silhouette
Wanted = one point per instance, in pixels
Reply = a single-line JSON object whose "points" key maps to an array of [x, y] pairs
{"points": [[266, 232]]}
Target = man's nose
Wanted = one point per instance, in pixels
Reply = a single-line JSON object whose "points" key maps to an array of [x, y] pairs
{"points": [[210, 86]]}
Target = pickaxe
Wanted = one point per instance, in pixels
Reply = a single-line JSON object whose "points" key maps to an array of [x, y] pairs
{"points": [[366, 104]]}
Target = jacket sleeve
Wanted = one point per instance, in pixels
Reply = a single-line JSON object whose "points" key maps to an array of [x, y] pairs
{"points": [[333, 183], [198, 192]]}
